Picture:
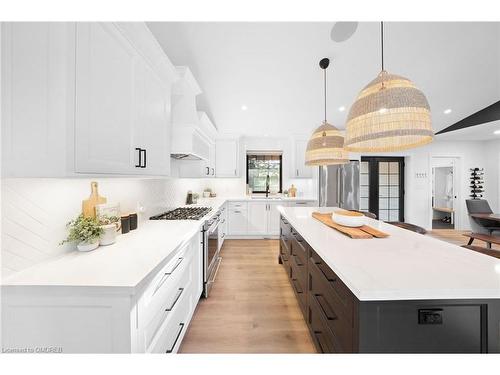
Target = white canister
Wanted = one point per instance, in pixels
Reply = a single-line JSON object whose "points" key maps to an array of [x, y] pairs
{"points": [[108, 236]]}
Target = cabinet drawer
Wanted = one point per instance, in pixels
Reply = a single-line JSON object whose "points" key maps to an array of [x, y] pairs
{"points": [[164, 285], [299, 249], [237, 205], [172, 330], [284, 250], [321, 334], [172, 303], [299, 286], [338, 325], [324, 281]]}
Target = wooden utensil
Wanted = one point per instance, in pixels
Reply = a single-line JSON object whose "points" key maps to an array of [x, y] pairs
{"points": [[88, 205], [356, 233]]}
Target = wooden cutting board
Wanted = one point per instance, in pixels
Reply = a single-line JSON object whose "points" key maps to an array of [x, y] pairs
{"points": [[364, 232], [88, 205]]}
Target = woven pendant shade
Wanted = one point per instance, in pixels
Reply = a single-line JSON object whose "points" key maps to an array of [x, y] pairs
{"points": [[389, 114], [326, 147]]}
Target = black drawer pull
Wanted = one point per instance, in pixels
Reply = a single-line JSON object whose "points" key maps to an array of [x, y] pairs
{"points": [[181, 325], [319, 338], [320, 267], [327, 311], [296, 286], [296, 261], [179, 293]]}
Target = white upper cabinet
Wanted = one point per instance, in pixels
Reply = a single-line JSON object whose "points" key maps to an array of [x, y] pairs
{"points": [[122, 115], [227, 152], [299, 169], [106, 97], [37, 97], [88, 98]]}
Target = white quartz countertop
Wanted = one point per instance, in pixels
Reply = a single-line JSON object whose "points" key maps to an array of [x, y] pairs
{"points": [[404, 266], [124, 265]]}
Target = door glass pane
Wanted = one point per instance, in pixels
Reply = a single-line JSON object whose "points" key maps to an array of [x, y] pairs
{"points": [[383, 215], [364, 184], [394, 167], [393, 215]]}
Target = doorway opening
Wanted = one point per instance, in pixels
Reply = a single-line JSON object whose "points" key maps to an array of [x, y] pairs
{"points": [[444, 193]]}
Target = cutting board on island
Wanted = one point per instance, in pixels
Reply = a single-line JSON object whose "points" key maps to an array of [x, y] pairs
{"points": [[363, 232], [88, 205]]}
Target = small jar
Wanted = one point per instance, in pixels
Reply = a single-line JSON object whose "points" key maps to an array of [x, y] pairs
{"points": [[125, 219], [133, 220]]}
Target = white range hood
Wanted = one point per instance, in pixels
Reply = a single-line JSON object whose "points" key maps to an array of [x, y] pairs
{"points": [[188, 141]]}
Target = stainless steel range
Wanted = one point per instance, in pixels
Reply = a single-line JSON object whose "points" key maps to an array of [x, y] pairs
{"points": [[210, 235]]}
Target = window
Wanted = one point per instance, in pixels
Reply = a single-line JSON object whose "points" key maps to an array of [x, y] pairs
{"points": [[259, 166]]}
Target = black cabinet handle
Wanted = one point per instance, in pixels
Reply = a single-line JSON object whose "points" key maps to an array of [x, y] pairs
{"points": [[213, 171], [208, 170], [181, 327], [179, 293], [140, 157], [145, 162]]}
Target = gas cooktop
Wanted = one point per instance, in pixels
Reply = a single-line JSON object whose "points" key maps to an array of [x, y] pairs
{"points": [[183, 213]]}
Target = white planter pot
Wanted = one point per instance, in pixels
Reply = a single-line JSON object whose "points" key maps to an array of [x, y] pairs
{"points": [[88, 246], [108, 236]]}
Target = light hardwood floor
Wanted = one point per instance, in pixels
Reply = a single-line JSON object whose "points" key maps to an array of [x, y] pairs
{"points": [[251, 308], [456, 237]]}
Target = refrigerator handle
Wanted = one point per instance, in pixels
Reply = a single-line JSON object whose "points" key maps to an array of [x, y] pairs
{"points": [[338, 187]]}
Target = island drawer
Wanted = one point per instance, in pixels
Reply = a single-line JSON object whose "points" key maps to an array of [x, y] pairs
{"points": [[299, 286], [334, 329], [299, 249], [323, 280], [336, 299], [284, 250]]}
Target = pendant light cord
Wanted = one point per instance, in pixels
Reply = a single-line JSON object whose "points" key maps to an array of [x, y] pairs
{"points": [[382, 41], [324, 75]]}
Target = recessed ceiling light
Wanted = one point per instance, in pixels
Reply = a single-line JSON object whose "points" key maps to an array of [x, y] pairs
{"points": [[342, 109], [244, 107], [497, 132], [447, 111]]}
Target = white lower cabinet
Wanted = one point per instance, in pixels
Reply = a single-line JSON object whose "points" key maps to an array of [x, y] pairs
{"points": [[257, 219], [107, 319], [237, 218]]}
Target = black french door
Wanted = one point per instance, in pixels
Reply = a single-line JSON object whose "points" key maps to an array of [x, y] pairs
{"points": [[382, 187]]}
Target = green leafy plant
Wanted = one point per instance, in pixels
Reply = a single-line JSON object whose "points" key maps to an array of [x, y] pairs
{"points": [[83, 229]]}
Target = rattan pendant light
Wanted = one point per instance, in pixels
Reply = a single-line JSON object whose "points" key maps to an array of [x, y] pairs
{"points": [[326, 145], [389, 114]]}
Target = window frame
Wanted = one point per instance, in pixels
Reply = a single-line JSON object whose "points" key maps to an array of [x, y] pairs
{"points": [[280, 170]]}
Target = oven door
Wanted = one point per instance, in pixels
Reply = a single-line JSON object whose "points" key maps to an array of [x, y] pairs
{"points": [[212, 258]]}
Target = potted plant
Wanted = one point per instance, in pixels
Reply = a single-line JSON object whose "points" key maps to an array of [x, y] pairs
{"points": [[110, 225], [85, 231]]}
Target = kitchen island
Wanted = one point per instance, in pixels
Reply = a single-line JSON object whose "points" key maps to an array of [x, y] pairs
{"points": [[405, 293]]}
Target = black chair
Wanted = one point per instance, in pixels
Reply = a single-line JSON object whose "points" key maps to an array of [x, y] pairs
{"points": [[484, 226]]}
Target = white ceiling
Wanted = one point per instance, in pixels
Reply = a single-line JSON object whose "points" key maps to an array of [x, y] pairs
{"points": [[272, 68]]}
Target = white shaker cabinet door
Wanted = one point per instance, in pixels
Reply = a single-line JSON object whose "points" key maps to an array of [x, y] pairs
{"points": [[151, 128], [36, 97], [300, 170], [257, 217], [227, 158], [105, 101], [273, 226], [237, 221]]}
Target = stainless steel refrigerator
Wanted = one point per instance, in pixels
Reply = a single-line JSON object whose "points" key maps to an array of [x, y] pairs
{"points": [[339, 185]]}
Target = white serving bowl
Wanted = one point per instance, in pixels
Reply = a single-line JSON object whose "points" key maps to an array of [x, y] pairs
{"points": [[348, 218]]}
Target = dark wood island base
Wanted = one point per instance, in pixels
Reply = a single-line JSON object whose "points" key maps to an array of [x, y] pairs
{"points": [[340, 323]]}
